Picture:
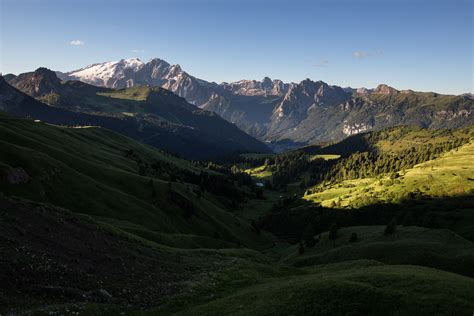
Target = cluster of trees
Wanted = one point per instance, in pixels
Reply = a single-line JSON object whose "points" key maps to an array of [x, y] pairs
{"points": [[286, 167], [369, 164], [219, 180]]}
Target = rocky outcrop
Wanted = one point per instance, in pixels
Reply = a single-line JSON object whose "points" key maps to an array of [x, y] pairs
{"points": [[40, 82], [17, 175], [257, 88]]}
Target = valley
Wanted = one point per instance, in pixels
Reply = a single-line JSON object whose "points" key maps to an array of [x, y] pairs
{"points": [[251, 158], [171, 236]]}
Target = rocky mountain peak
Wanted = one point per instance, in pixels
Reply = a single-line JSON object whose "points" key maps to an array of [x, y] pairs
{"points": [[175, 70], [363, 91], [158, 61], [385, 89], [267, 80], [45, 71], [42, 81]]}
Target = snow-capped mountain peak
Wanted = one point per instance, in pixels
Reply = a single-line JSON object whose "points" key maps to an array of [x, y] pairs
{"points": [[107, 73]]}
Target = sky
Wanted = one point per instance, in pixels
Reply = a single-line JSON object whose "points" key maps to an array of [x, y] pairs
{"points": [[424, 45]]}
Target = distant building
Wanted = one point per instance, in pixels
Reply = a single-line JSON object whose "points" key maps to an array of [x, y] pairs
{"points": [[260, 184]]}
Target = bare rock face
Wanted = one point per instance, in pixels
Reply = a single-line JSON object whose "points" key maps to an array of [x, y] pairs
{"points": [[257, 88], [355, 128], [385, 89], [42, 81], [17, 176]]}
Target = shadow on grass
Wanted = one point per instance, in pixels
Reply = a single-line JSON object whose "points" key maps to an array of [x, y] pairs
{"points": [[454, 213]]}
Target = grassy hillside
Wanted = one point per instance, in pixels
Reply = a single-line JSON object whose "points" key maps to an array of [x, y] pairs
{"points": [[437, 248], [96, 223], [358, 288], [391, 140], [57, 261], [451, 174], [106, 175], [152, 115]]}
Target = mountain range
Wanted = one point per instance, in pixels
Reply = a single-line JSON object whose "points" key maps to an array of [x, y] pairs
{"points": [[154, 116], [275, 111]]}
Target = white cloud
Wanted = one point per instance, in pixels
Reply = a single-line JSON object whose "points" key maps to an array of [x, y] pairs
{"points": [[359, 54], [138, 50], [77, 43]]}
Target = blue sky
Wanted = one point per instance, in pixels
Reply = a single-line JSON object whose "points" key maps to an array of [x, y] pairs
{"points": [[424, 45]]}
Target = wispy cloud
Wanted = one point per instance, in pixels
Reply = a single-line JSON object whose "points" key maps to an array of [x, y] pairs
{"points": [[77, 43], [322, 63], [361, 54], [138, 50]]}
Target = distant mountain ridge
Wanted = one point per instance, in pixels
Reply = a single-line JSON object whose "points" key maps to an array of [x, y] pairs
{"points": [[275, 111], [154, 116], [302, 112], [127, 73]]}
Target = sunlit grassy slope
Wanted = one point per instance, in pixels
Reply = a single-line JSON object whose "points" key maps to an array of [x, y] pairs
{"points": [[452, 174], [261, 173]]}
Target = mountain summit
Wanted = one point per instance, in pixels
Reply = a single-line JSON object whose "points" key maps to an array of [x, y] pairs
{"points": [[40, 82]]}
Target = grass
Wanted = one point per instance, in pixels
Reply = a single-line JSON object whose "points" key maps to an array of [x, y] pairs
{"points": [[357, 288], [69, 166], [91, 173], [323, 156], [398, 139], [437, 248], [259, 173], [451, 174], [133, 93]]}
